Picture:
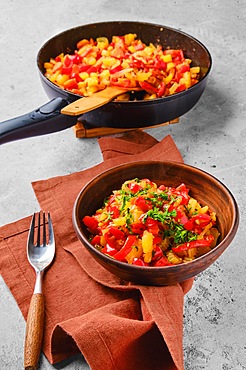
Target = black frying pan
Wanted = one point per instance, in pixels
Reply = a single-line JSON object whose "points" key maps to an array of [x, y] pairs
{"points": [[125, 114]]}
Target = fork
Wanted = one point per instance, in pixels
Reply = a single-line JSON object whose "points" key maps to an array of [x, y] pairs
{"points": [[40, 254]]}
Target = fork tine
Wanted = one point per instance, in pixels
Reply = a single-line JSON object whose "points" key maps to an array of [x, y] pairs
{"points": [[44, 231], [38, 232], [51, 231], [31, 230]]}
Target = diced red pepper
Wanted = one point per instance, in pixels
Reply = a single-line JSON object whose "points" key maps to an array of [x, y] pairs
{"points": [[96, 240], [152, 225], [117, 233], [113, 211], [180, 88], [138, 228], [76, 58], [66, 70], [83, 67], [123, 252], [163, 261], [148, 87], [123, 83], [76, 76], [143, 203], [107, 249], [161, 90], [134, 187], [91, 223], [138, 262], [94, 69], [157, 253], [116, 69], [184, 68], [71, 84], [199, 243]]}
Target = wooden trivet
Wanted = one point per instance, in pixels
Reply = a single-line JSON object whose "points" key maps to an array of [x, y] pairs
{"points": [[82, 130]]}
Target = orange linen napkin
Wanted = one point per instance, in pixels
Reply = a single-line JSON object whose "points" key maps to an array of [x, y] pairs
{"points": [[114, 324]]}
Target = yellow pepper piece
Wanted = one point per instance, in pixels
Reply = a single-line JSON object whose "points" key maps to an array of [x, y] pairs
{"points": [[147, 245], [170, 76], [120, 221], [170, 65], [173, 88], [194, 70], [136, 252], [167, 58], [48, 65], [129, 38]]}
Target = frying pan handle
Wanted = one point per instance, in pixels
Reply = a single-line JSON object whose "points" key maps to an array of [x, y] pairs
{"points": [[43, 120]]}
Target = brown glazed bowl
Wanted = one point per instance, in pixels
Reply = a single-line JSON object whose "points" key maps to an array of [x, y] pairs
{"points": [[203, 187]]}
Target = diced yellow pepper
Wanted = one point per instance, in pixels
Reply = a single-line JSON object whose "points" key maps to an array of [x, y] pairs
{"points": [[53, 77], [167, 58], [48, 65], [143, 76], [131, 49], [120, 221], [173, 88], [186, 79], [147, 245], [129, 38], [90, 60], [169, 76], [194, 70], [170, 65], [83, 75], [62, 78]]}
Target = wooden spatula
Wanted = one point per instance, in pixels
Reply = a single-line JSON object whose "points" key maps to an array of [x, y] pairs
{"points": [[94, 101]]}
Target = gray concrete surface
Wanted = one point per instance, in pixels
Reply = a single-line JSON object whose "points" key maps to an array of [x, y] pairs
{"points": [[212, 136]]}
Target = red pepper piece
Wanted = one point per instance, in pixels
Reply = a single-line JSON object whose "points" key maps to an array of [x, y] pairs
{"points": [[96, 240], [118, 234], [113, 211], [184, 68], [148, 87], [123, 252], [76, 58], [76, 76], [83, 67], [123, 83], [161, 90], [134, 187], [116, 69], [94, 69], [163, 261], [138, 262], [200, 243], [157, 253], [66, 70], [152, 226], [107, 249], [67, 62], [138, 228], [180, 88], [91, 223], [143, 204]]}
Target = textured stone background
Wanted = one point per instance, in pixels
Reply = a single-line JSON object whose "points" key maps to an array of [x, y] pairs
{"points": [[211, 136]]}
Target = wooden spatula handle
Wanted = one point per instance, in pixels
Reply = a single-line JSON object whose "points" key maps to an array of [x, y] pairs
{"points": [[34, 332]]}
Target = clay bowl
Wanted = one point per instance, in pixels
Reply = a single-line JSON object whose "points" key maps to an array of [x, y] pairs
{"points": [[203, 187]]}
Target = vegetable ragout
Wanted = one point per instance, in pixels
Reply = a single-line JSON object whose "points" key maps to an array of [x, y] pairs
{"points": [[149, 225], [124, 61]]}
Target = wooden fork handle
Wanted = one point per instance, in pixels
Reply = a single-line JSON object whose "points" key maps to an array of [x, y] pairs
{"points": [[34, 332]]}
